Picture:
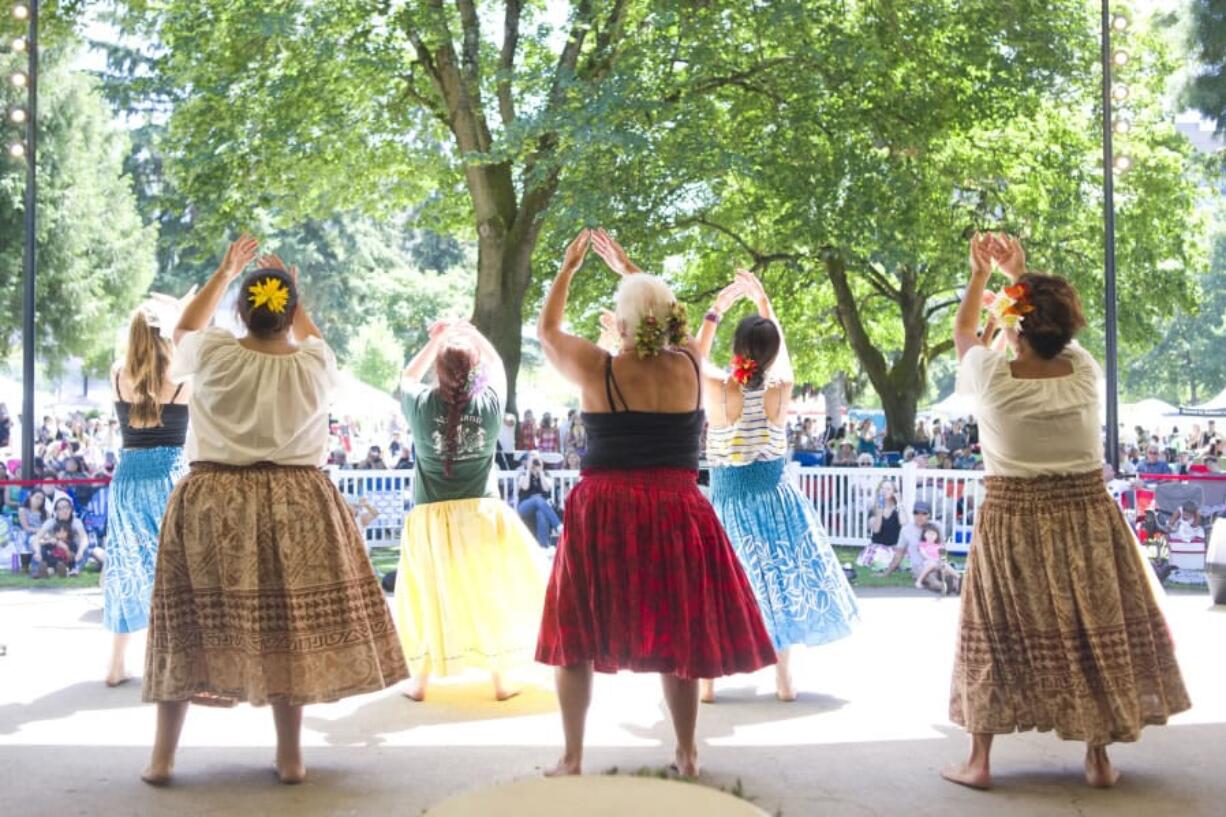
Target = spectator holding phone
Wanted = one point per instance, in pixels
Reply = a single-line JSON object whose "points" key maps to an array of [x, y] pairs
{"points": [[535, 499]]}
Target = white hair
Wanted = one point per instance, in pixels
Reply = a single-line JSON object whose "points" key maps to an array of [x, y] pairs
{"points": [[638, 296]]}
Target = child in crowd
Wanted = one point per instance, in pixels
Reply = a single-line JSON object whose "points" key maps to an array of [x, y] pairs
{"points": [[932, 547]]}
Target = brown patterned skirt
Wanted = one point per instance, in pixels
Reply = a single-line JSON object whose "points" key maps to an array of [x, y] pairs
{"points": [[264, 593], [1061, 628]]}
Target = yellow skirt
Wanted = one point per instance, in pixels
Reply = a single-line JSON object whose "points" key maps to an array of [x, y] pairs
{"points": [[470, 588]]}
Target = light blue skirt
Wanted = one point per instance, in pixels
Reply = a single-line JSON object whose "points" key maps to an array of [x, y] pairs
{"points": [[140, 490], [799, 584]]}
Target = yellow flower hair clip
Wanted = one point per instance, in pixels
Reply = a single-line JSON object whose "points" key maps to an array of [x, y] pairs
{"points": [[270, 292]]}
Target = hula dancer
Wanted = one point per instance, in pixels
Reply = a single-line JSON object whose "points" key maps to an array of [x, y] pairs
{"points": [[469, 586], [152, 413], [644, 578], [1061, 629], [263, 590], [799, 584]]}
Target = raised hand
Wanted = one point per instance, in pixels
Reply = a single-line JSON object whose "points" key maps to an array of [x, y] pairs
{"points": [[981, 254], [439, 328], [728, 296], [1008, 254], [239, 254], [752, 287], [576, 251], [612, 254]]}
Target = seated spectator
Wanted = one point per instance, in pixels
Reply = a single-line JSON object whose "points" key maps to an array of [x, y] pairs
{"points": [[935, 563], [846, 456], [1185, 525], [31, 516], [909, 539], [63, 544], [865, 461], [1154, 464], [548, 440], [964, 460], [535, 494], [805, 438], [374, 460], [573, 461]]}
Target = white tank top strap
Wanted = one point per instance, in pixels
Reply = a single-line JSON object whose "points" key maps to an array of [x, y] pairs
{"points": [[752, 438]]}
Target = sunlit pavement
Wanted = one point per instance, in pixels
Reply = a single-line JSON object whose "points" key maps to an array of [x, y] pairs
{"points": [[866, 737]]}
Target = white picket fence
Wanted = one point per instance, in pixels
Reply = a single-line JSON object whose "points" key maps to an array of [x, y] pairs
{"points": [[843, 497]]}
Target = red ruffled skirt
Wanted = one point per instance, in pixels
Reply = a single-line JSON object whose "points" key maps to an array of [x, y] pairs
{"points": [[645, 579]]}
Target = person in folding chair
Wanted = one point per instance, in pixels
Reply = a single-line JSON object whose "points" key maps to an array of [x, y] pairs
{"points": [[1060, 625]]}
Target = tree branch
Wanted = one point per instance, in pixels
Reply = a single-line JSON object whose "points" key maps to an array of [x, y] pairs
{"points": [[470, 24], [932, 310], [506, 60]]}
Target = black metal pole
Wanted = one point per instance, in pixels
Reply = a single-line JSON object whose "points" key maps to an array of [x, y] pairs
{"points": [[28, 421], [1112, 361]]}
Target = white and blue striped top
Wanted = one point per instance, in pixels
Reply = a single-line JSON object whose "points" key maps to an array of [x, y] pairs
{"points": [[752, 438]]}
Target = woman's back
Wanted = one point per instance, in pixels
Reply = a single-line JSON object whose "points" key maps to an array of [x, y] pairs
{"points": [[752, 436], [249, 406], [472, 461]]}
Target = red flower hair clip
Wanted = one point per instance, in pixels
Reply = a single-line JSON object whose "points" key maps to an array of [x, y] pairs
{"points": [[743, 369], [1012, 304]]}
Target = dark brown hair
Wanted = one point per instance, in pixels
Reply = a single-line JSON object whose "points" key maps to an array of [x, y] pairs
{"points": [[1057, 315], [757, 339], [454, 367], [262, 321]]}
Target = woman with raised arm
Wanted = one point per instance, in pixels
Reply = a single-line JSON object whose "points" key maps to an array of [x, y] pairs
{"points": [[1060, 626], [152, 413], [644, 578], [799, 584], [263, 591], [469, 587]]}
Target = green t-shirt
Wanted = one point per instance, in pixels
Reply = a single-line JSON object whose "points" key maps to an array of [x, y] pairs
{"points": [[472, 475]]}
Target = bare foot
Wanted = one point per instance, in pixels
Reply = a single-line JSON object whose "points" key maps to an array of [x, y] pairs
{"points": [[117, 677], [784, 690], [686, 765], [502, 694], [964, 774], [706, 690], [157, 774], [565, 768], [415, 692], [1100, 774], [291, 771]]}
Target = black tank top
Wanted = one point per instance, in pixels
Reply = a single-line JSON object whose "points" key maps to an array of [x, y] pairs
{"points": [[625, 439], [171, 433]]}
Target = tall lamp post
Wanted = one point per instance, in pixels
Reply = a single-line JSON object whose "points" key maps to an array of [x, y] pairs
{"points": [[27, 149], [1112, 164]]}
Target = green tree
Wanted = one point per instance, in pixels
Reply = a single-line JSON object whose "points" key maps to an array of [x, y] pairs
{"points": [[853, 192], [95, 258], [376, 356], [1207, 90], [1187, 364], [303, 108]]}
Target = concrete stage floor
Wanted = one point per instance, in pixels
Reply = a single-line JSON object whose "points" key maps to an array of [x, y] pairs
{"points": [[866, 737]]}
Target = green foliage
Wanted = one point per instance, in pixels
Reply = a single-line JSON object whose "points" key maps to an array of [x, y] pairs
{"points": [[376, 356], [1207, 90], [95, 258]]}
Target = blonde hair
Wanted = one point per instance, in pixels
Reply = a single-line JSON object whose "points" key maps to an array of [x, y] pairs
{"points": [[638, 296], [146, 365]]}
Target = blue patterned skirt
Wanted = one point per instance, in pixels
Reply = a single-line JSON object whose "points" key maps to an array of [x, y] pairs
{"points": [[140, 490], [799, 584]]}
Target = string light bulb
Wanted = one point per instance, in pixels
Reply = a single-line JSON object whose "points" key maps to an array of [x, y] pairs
{"points": [[19, 79], [20, 44], [1120, 58], [1123, 163], [17, 150], [21, 11], [1119, 22], [18, 116], [1122, 126], [1119, 93]]}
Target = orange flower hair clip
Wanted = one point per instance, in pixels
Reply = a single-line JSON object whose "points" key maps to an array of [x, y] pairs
{"points": [[743, 369], [1011, 305]]}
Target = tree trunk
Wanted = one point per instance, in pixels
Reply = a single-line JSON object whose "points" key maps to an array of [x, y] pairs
{"points": [[503, 273], [900, 384], [834, 392]]}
